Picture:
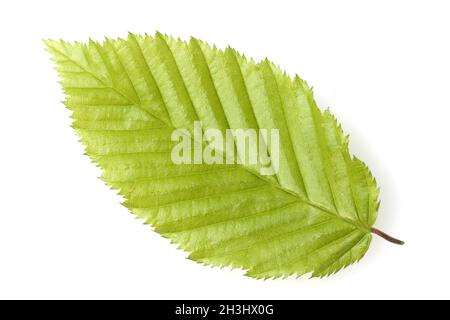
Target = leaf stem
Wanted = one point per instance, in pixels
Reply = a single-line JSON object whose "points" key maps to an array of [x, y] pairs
{"points": [[386, 236]]}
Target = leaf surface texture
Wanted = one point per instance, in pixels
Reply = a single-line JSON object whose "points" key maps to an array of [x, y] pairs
{"points": [[128, 96]]}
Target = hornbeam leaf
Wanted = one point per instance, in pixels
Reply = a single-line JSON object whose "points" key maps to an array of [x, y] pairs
{"points": [[314, 215]]}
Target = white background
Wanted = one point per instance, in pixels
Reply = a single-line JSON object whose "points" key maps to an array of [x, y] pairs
{"points": [[383, 67]]}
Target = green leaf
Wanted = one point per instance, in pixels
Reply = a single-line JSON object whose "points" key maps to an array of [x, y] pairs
{"points": [[315, 215]]}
